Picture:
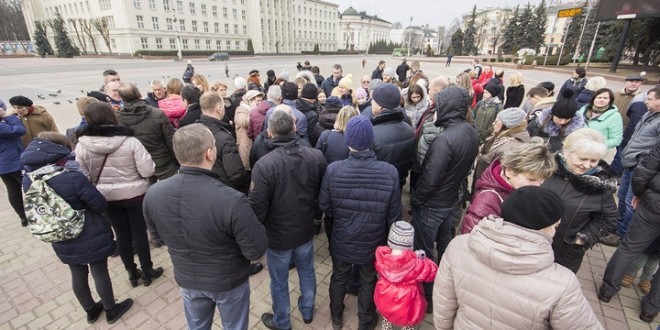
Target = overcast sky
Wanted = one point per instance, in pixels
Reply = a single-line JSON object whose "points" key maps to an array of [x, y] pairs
{"points": [[432, 12]]}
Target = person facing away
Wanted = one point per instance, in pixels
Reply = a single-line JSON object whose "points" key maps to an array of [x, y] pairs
{"points": [[361, 197], [211, 231], [503, 274], [283, 194]]}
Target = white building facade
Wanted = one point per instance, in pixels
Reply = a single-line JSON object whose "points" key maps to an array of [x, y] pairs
{"points": [[284, 26], [490, 24], [357, 30]]}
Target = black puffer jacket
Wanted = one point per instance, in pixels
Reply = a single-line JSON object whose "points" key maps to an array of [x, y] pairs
{"points": [[228, 165], [263, 145], [284, 189], [646, 180], [395, 141], [211, 232], [326, 120], [311, 111], [589, 203], [154, 130], [361, 196], [450, 155], [95, 243], [193, 113]]}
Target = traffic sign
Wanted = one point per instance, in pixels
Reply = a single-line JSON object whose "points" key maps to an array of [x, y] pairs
{"points": [[570, 12]]}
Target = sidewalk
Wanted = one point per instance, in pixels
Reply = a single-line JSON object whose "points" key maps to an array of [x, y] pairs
{"points": [[35, 289]]}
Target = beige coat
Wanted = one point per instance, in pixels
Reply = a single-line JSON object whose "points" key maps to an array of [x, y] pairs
{"points": [[503, 276], [126, 170], [36, 122], [243, 141]]}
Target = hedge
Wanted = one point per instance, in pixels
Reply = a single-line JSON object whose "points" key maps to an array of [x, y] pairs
{"points": [[339, 52], [188, 52]]}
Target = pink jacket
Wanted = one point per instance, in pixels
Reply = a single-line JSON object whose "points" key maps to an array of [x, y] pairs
{"points": [[491, 189], [173, 107], [257, 117]]}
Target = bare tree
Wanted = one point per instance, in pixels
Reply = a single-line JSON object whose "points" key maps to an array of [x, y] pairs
{"points": [[101, 25], [86, 27], [80, 37], [397, 25], [12, 23]]}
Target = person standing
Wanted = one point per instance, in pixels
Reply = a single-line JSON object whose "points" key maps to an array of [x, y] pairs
{"points": [[449, 56], [361, 197], [378, 71], [11, 130], [283, 194], [227, 70], [402, 70], [34, 118], [188, 73], [331, 82], [211, 231], [575, 84]]}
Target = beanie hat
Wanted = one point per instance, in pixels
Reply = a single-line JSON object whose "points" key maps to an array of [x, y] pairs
{"points": [[549, 85], [374, 84], [492, 89], [359, 133], [239, 82], [3, 106], [389, 72], [387, 96], [360, 93], [270, 73], [532, 207], [512, 117], [566, 107], [251, 94], [309, 91], [333, 102], [346, 82], [401, 236], [289, 91], [20, 100]]}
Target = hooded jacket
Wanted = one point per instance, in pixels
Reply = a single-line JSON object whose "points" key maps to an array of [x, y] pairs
{"points": [[127, 167], [484, 115], [263, 145], [327, 118], [503, 276], [257, 117], [450, 155], [576, 85], [37, 121], [11, 130], [154, 130], [546, 128], [646, 181], [415, 111], [95, 242], [311, 111], [490, 190], [193, 112], [395, 141], [173, 108]]}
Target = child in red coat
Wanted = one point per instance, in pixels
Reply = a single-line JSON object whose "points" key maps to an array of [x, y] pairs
{"points": [[399, 295]]}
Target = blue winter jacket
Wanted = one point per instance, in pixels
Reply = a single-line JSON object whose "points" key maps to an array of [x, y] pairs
{"points": [[95, 243], [361, 197], [11, 130]]}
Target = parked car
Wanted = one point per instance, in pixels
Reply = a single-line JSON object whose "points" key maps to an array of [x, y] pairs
{"points": [[219, 56]]}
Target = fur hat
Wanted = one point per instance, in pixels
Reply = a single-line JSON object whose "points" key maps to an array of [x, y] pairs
{"points": [[566, 107], [532, 207], [389, 72], [359, 133], [21, 100], [346, 82], [289, 91], [492, 89], [512, 117], [239, 82], [402, 235], [333, 102], [387, 96], [251, 94], [309, 91]]}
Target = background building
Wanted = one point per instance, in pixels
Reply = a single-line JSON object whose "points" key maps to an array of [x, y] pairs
{"points": [[556, 27], [357, 30], [284, 26], [490, 24]]}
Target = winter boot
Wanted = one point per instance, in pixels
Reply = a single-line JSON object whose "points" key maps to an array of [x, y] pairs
{"points": [[116, 312], [134, 276], [151, 274], [94, 313]]}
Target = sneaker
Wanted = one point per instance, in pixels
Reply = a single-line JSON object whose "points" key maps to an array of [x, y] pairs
{"points": [[94, 313], [611, 240], [255, 268], [627, 281], [120, 309]]}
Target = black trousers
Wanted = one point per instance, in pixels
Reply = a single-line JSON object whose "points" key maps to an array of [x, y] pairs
{"points": [[13, 182], [80, 284], [128, 222], [366, 307]]}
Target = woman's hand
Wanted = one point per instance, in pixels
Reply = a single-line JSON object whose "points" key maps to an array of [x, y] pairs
{"points": [[635, 202]]}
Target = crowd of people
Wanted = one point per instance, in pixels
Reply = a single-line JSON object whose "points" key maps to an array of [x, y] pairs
{"points": [[507, 192]]}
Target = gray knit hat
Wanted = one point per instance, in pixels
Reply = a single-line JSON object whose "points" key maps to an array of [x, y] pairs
{"points": [[389, 72], [511, 117], [401, 236]]}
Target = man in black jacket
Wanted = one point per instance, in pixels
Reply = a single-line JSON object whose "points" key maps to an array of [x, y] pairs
{"points": [[228, 165], [402, 70], [378, 71], [211, 230], [447, 163], [285, 184]]}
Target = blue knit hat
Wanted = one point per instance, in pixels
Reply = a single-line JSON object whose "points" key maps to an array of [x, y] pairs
{"points": [[387, 96], [333, 101], [359, 133]]}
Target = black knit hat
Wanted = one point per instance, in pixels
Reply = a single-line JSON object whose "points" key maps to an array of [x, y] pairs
{"points": [[532, 207], [21, 101], [566, 107], [549, 85], [289, 91], [492, 89], [309, 91], [270, 73]]}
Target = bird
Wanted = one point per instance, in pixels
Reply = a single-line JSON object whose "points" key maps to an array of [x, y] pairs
{"points": [[56, 102], [59, 91], [82, 91], [53, 95], [69, 101], [40, 96]]}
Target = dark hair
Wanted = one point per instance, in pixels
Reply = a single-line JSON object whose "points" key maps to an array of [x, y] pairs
{"points": [[337, 67], [414, 89], [128, 92], [601, 91], [656, 92], [538, 91], [381, 62], [280, 123], [191, 94], [98, 114], [56, 138], [581, 72], [109, 72], [315, 69]]}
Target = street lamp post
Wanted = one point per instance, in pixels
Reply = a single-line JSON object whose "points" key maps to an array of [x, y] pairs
{"points": [[178, 37]]}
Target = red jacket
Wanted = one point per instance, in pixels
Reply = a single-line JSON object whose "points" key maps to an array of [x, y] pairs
{"points": [[399, 295], [491, 189], [478, 90]]}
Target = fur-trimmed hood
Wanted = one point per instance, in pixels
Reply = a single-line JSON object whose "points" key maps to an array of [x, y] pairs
{"points": [[601, 181], [552, 129], [103, 139]]}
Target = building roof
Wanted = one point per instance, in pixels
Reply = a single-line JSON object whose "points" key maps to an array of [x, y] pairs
{"points": [[350, 11]]}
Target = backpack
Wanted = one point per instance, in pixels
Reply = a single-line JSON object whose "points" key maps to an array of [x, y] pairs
{"points": [[50, 218]]}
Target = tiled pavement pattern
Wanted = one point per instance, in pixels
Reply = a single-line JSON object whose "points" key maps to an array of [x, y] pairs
{"points": [[35, 289]]}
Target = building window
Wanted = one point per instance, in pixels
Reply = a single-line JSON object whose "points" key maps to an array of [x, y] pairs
{"points": [[226, 28], [234, 13], [136, 4], [185, 43], [166, 5], [140, 21], [224, 12], [218, 44], [111, 22], [194, 26], [206, 26], [208, 44], [159, 43], [168, 22], [235, 28], [196, 43], [203, 7], [179, 6], [113, 43], [172, 43], [103, 4], [228, 44], [154, 21], [214, 9], [243, 14], [238, 44], [192, 8], [182, 25], [216, 27], [152, 4], [145, 43], [245, 29]]}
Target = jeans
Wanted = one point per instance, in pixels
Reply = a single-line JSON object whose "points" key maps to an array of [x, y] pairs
{"points": [[80, 284], [341, 272], [625, 195], [13, 183], [432, 225], [650, 265], [278, 269], [233, 305], [128, 222]]}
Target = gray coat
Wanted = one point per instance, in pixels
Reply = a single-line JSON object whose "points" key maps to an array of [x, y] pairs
{"points": [[643, 139]]}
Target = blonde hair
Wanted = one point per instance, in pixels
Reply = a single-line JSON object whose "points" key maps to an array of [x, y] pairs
{"points": [[216, 86], [465, 82], [201, 80], [516, 79], [174, 86], [343, 116], [595, 83], [533, 158], [586, 142]]}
